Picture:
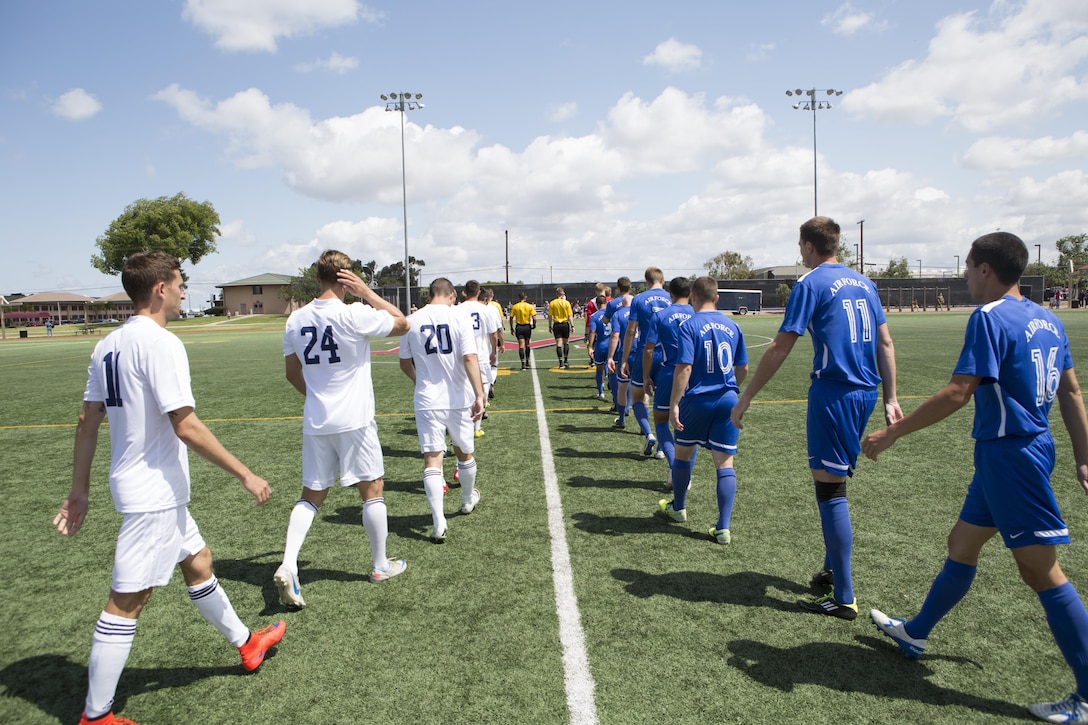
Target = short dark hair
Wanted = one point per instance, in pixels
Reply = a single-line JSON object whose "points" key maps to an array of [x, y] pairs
{"points": [[329, 263], [521, 295], [623, 284], [472, 289], [822, 233], [600, 301], [680, 287], [703, 290], [441, 287], [1006, 254], [143, 270]]}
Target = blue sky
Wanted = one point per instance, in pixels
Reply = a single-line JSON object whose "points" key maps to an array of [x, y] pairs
{"points": [[605, 136]]}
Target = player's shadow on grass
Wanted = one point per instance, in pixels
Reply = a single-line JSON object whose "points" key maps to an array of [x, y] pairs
{"points": [[612, 483], [871, 667], [743, 588], [57, 686], [631, 455], [257, 571], [619, 525]]}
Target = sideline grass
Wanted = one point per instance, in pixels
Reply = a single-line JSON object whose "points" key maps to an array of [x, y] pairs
{"points": [[677, 628]]}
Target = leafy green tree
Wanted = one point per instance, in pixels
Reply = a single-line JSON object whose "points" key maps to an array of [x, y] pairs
{"points": [[847, 257], [729, 265], [896, 269], [1072, 248], [177, 225], [304, 287], [392, 275], [783, 291]]}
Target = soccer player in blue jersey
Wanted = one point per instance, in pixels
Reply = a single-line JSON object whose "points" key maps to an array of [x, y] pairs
{"points": [[619, 321], [712, 363], [1015, 361], [600, 332], [853, 354], [643, 307], [659, 359]]}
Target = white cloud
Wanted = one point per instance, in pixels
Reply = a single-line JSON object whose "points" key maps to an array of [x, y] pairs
{"points": [[1019, 65], [760, 52], [256, 25], [76, 105], [563, 112], [235, 233], [335, 63], [997, 153], [847, 20], [675, 56]]}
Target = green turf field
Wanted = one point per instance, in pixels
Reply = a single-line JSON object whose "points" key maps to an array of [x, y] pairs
{"points": [[676, 629]]}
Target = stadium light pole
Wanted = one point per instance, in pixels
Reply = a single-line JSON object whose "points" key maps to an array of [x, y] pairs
{"points": [[861, 246], [1038, 253], [919, 269], [812, 104], [404, 102], [957, 264]]}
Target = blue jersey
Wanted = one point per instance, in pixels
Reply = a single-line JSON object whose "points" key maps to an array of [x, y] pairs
{"points": [[842, 311], [664, 332], [1019, 350], [713, 345], [603, 331], [611, 306], [619, 322], [643, 308]]}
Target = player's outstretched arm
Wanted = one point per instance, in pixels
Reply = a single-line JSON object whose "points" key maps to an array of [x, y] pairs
{"points": [[775, 354], [942, 404], [680, 378], [885, 363], [201, 441], [74, 509], [1071, 405]]}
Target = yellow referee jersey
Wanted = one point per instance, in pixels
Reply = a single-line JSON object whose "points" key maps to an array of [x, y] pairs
{"points": [[559, 310], [523, 313]]}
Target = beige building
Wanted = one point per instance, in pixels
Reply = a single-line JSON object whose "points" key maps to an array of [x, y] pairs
{"points": [[68, 307], [257, 295]]}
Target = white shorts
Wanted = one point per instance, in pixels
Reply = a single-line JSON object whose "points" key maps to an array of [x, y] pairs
{"points": [[150, 545], [431, 425], [485, 373], [492, 374], [355, 454]]}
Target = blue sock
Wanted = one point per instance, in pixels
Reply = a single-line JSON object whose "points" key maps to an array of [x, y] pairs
{"points": [[1068, 622], [664, 441], [839, 543], [727, 492], [642, 416], [681, 477], [600, 381], [621, 411], [614, 388], [946, 591]]}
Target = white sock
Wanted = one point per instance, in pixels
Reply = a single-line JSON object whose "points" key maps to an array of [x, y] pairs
{"points": [[110, 646], [433, 483], [212, 603], [302, 518], [376, 523], [467, 473]]}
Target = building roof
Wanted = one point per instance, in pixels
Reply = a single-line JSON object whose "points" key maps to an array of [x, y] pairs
{"points": [[268, 278], [42, 298], [115, 297]]}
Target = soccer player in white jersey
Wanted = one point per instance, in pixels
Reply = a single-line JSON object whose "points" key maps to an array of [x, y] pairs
{"points": [[853, 354], [1014, 363], [139, 379], [487, 296], [485, 330], [439, 355], [326, 355]]}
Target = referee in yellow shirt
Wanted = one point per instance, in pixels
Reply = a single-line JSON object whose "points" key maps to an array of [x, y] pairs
{"points": [[560, 315], [522, 323]]}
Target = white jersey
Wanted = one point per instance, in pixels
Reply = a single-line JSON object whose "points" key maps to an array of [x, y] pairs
{"points": [[485, 323], [332, 340], [438, 338], [141, 372]]}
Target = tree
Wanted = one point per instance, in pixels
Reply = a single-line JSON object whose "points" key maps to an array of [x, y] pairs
{"points": [[847, 257], [1073, 248], [304, 287], [729, 265], [896, 269], [392, 275], [183, 228], [783, 291]]}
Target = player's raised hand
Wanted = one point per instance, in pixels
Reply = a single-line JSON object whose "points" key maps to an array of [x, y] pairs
{"points": [[70, 517], [352, 282]]}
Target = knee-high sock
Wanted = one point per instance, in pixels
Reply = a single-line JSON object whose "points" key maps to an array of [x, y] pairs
{"points": [[839, 543], [559, 353], [600, 381], [566, 351], [614, 388], [376, 523], [433, 485], [664, 441], [946, 591], [110, 646], [212, 603], [727, 492], [642, 416], [681, 479], [302, 517], [1068, 622], [466, 472]]}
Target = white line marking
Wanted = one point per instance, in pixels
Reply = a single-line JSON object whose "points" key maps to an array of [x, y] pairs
{"points": [[578, 680]]}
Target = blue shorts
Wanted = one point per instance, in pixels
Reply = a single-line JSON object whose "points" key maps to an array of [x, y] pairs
{"points": [[706, 422], [837, 416], [634, 364], [663, 387], [1011, 491], [600, 354]]}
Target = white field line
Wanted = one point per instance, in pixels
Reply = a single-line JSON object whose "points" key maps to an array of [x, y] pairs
{"points": [[577, 678]]}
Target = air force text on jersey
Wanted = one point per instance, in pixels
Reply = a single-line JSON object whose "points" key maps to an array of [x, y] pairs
{"points": [[844, 281]]}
